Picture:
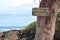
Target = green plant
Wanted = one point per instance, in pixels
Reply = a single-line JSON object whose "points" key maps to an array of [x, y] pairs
{"points": [[30, 26]]}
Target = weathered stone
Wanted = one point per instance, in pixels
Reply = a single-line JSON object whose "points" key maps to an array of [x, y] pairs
{"points": [[13, 35], [23, 39], [1, 34], [0, 38], [6, 39]]}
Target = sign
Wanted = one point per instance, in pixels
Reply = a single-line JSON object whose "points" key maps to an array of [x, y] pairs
{"points": [[40, 11]]}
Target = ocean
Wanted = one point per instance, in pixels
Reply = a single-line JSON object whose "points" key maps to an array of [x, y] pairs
{"points": [[7, 28]]}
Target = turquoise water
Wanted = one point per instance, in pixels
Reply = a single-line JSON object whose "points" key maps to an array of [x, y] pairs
{"points": [[7, 28]]}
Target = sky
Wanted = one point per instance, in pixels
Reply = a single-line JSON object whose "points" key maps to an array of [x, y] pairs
{"points": [[17, 12]]}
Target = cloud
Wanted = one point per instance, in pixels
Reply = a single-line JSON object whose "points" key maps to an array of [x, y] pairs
{"points": [[21, 9], [13, 3], [13, 13]]}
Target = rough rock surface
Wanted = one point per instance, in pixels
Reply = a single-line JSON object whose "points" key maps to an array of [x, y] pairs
{"points": [[17, 35], [23, 35]]}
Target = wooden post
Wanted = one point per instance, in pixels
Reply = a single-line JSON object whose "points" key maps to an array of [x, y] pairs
{"points": [[45, 25]]}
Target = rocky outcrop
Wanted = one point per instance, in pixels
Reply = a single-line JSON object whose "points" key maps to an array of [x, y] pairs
{"points": [[17, 35], [9, 35], [23, 35]]}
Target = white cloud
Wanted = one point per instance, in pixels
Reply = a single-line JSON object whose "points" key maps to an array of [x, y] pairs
{"points": [[15, 6], [18, 2], [13, 3]]}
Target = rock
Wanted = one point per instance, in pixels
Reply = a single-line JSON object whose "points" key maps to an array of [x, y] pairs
{"points": [[6, 39], [13, 35], [23, 35], [23, 39], [1, 34], [0, 38]]}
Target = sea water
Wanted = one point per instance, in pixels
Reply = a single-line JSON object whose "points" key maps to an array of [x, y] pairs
{"points": [[7, 28]]}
